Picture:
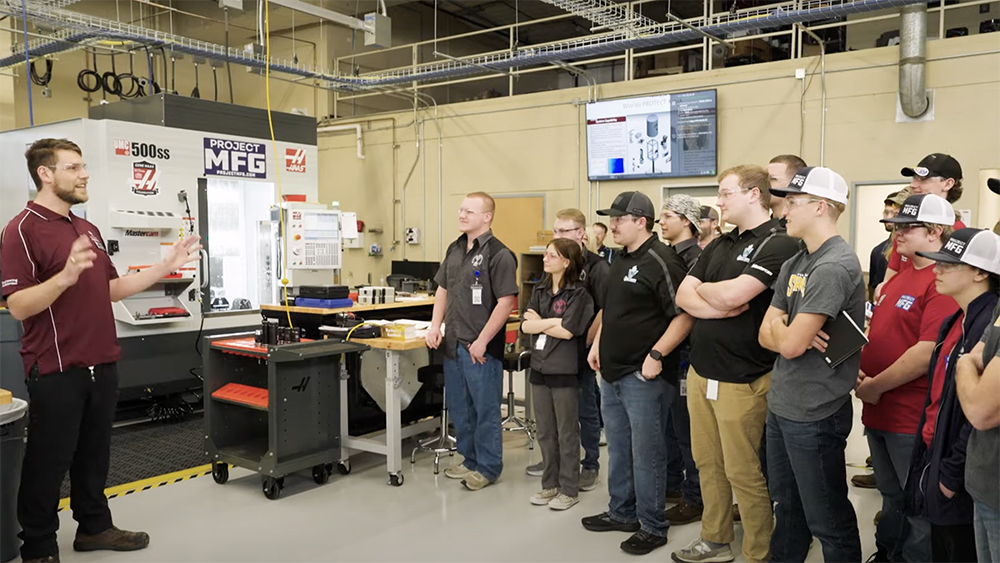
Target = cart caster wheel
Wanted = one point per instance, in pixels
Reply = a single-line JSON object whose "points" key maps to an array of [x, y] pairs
{"points": [[271, 488], [344, 467], [396, 479], [320, 475], [220, 472]]}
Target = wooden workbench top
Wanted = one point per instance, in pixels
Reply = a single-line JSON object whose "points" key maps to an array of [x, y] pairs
{"points": [[428, 301], [392, 343]]}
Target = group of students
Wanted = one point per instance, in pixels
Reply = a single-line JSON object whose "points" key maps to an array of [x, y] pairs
{"points": [[713, 379]]}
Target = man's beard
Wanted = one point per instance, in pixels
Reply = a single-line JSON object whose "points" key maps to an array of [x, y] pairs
{"points": [[70, 196]]}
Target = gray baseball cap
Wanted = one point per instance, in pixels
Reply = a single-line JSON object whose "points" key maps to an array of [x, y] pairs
{"points": [[630, 203]]}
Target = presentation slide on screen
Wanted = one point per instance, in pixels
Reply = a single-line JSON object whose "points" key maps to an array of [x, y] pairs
{"points": [[658, 136]]}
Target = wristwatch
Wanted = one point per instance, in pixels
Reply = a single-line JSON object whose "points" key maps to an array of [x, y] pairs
{"points": [[655, 354]]}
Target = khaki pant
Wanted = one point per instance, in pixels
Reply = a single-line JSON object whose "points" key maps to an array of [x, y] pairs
{"points": [[725, 440]]}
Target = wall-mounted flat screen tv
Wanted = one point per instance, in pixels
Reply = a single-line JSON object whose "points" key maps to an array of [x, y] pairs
{"points": [[672, 135]]}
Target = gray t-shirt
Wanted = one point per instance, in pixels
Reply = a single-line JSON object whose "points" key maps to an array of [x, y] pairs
{"points": [[982, 456], [825, 282]]}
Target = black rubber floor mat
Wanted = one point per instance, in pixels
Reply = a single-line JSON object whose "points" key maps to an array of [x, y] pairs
{"points": [[151, 449]]}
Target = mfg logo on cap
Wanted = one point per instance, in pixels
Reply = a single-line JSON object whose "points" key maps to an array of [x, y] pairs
{"points": [[955, 246]]}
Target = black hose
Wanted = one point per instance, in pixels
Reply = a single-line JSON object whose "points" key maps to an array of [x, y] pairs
{"points": [[134, 85], [44, 79], [196, 93], [110, 81], [215, 82], [85, 74]]}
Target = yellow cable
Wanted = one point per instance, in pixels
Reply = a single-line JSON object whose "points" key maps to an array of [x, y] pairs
{"points": [[350, 332], [277, 161]]}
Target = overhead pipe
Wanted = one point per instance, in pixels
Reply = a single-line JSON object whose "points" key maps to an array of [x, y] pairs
{"points": [[528, 56], [822, 80], [913, 60], [356, 127]]}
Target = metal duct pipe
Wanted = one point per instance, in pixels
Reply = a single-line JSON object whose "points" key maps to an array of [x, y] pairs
{"points": [[355, 127], [913, 60]]}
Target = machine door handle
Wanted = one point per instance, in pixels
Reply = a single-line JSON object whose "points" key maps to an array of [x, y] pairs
{"points": [[202, 264]]}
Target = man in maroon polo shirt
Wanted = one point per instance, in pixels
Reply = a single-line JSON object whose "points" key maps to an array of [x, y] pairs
{"points": [[59, 282]]}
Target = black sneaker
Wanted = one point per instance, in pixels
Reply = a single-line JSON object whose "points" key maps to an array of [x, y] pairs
{"points": [[684, 513], [642, 542], [603, 523], [46, 559]]}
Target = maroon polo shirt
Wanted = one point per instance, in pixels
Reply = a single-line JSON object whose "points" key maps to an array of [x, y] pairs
{"points": [[78, 329]]}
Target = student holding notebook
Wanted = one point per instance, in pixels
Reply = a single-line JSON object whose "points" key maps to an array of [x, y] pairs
{"points": [[809, 404]]}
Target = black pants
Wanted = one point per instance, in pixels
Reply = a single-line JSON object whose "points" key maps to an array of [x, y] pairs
{"points": [[69, 428], [953, 543]]}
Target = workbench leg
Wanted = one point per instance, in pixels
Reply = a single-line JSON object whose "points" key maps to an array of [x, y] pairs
{"points": [[345, 431], [393, 416]]}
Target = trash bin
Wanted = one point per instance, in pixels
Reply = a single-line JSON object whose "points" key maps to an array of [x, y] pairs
{"points": [[12, 426]]}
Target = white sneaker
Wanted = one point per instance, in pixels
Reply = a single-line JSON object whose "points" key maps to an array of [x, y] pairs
{"points": [[701, 552], [459, 471], [541, 498], [562, 502]]}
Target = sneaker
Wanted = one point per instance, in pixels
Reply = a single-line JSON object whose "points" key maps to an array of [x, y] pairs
{"points": [[46, 559], [701, 552], [589, 478], [475, 481], [674, 496], [864, 481], [642, 542], [603, 441], [736, 513], [562, 502], [459, 471], [535, 470], [684, 513], [542, 497], [603, 523], [111, 539]]}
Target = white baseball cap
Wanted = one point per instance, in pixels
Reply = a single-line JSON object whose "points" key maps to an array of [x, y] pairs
{"points": [[817, 181], [925, 208], [978, 248]]}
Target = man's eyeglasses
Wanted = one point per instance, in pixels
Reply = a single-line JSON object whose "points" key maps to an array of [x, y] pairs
{"points": [[566, 231], [726, 194], [75, 167], [945, 267], [796, 202]]}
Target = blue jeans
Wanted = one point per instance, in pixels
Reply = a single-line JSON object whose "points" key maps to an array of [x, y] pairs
{"points": [[474, 394], [590, 420], [987, 525], [899, 537], [808, 484], [633, 412], [678, 431]]}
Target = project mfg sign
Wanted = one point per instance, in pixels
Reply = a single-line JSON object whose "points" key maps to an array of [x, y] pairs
{"points": [[238, 159]]}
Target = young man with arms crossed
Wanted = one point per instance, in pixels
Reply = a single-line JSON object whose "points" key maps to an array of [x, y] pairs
{"points": [[728, 292], [809, 404], [477, 290]]}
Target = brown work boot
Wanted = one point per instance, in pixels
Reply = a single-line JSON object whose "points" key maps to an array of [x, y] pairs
{"points": [[683, 513], [46, 559], [111, 539], [864, 481]]}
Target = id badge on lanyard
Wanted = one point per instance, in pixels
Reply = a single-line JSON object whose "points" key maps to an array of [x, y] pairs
{"points": [[477, 291]]}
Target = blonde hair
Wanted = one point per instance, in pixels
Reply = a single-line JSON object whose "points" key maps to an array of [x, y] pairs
{"points": [[489, 205], [751, 176], [571, 214]]}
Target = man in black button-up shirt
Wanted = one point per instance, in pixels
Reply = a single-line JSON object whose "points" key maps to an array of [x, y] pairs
{"points": [[635, 350], [728, 292], [477, 290]]}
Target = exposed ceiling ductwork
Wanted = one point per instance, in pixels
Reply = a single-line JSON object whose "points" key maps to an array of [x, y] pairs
{"points": [[78, 27]]}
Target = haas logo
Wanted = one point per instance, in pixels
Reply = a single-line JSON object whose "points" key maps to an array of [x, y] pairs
{"points": [[295, 160]]}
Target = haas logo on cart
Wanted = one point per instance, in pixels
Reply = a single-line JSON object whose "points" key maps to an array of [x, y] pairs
{"points": [[144, 178], [295, 160]]}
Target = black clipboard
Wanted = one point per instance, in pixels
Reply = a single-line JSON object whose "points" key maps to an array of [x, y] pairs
{"points": [[846, 339]]}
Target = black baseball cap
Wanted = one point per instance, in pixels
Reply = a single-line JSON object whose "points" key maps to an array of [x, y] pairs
{"points": [[630, 203], [708, 212], [978, 248], [936, 164], [994, 185]]}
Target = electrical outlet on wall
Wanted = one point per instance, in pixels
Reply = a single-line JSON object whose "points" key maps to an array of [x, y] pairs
{"points": [[800, 73], [412, 235]]}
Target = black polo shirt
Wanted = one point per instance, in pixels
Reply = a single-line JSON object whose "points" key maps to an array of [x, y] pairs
{"points": [[688, 250], [556, 361], [728, 349], [639, 304], [78, 329], [494, 266]]}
